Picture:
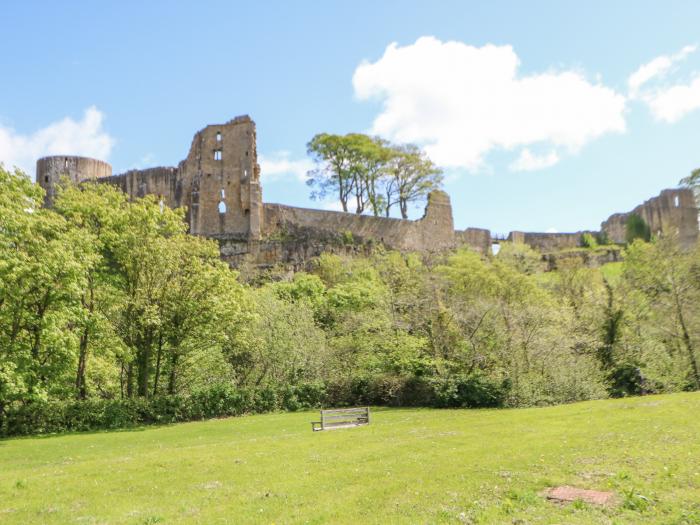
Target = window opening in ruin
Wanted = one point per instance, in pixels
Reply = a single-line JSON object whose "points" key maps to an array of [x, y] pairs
{"points": [[495, 248], [677, 201], [246, 212], [245, 173], [223, 194], [46, 178], [222, 207], [246, 153], [65, 163], [162, 205], [218, 136], [217, 154]]}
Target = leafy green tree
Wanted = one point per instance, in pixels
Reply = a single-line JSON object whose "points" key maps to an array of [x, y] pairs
{"points": [[666, 277], [636, 228], [376, 174], [411, 175], [42, 268]]}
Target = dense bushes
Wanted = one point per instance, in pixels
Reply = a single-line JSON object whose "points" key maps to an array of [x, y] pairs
{"points": [[48, 417]]}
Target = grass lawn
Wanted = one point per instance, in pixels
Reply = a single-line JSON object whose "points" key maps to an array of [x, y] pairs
{"points": [[408, 466]]}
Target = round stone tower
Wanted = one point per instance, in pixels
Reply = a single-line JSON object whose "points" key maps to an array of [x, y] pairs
{"points": [[50, 171]]}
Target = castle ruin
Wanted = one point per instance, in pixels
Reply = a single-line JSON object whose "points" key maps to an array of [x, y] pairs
{"points": [[218, 184]]}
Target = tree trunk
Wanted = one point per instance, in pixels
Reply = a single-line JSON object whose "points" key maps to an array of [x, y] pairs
{"points": [[173, 372], [158, 359], [688, 346], [80, 386], [130, 380]]}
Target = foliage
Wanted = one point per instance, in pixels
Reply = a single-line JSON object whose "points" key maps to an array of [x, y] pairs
{"points": [[636, 228], [588, 241], [371, 172], [110, 302]]}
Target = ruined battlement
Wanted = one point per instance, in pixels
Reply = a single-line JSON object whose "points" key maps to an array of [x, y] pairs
{"points": [[50, 171], [218, 184], [673, 212]]}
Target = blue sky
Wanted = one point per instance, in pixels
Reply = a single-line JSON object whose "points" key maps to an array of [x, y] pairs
{"points": [[532, 107]]}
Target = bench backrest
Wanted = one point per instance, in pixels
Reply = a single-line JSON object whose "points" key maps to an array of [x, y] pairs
{"points": [[344, 416]]}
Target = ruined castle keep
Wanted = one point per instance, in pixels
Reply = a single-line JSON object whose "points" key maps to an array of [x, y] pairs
{"points": [[218, 184]]}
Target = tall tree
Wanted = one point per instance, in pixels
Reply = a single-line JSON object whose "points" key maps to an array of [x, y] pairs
{"points": [[411, 175]]}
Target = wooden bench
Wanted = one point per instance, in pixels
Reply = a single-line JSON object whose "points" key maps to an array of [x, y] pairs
{"points": [[341, 418]]}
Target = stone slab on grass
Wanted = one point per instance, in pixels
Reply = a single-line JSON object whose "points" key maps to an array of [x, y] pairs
{"points": [[567, 494]]}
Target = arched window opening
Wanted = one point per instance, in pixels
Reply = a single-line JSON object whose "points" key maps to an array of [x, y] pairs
{"points": [[222, 207]]}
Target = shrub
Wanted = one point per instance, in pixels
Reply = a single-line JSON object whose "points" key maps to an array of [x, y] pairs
{"points": [[636, 228], [588, 241]]}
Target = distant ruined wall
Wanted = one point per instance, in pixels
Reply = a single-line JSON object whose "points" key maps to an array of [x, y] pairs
{"points": [[50, 171], [478, 239], [548, 242], [673, 212], [218, 184], [434, 232]]}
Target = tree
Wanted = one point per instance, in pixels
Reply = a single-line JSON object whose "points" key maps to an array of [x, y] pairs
{"points": [[375, 173], [637, 228], [335, 171], [411, 175], [42, 269], [666, 276]]}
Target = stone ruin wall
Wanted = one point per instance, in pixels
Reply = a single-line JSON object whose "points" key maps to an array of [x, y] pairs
{"points": [[673, 212], [219, 185], [50, 171], [549, 242]]}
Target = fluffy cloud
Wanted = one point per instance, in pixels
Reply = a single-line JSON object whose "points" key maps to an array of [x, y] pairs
{"points": [[280, 165], [667, 102], [461, 102], [673, 103], [527, 161], [658, 67], [85, 137]]}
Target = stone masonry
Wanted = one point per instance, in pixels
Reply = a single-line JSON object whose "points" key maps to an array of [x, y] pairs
{"points": [[219, 186]]}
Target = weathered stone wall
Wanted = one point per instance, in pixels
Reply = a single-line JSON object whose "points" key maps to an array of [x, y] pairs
{"points": [[548, 242], [478, 239], [673, 212], [50, 171], [162, 182], [433, 232], [219, 185]]}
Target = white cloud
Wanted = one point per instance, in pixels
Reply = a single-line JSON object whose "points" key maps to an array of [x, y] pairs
{"points": [[461, 102], [673, 103], [552, 230], [85, 137], [279, 166], [527, 161], [668, 102], [656, 68]]}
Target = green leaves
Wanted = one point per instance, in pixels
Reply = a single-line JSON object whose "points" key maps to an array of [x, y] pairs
{"points": [[370, 174]]}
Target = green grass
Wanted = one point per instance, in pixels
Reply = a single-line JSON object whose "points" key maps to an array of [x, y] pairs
{"points": [[408, 466]]}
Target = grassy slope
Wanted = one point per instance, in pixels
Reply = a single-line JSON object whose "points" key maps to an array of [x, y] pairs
{"points": [[412, 466]]}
